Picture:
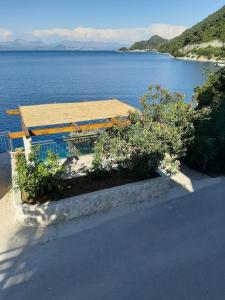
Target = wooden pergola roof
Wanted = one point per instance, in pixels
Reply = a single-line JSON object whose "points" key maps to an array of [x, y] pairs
{"points": [[69, 113], [65, 113]]}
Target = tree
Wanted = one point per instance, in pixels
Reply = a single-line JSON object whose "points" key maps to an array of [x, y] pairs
{"points": [[207, 152], [159, 136]]}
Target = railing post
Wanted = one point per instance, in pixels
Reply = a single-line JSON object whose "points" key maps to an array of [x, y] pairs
{"points": [[11, 145], [4, 142], [27, 146]]}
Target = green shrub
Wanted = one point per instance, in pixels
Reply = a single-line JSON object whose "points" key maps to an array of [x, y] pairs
{"points": [[207, 152], [209, 52], [164, 129], [38, 179]]}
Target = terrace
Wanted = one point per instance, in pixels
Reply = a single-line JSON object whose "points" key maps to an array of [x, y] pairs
{"points": [[81, 122], [127, 163], [82, 192]]}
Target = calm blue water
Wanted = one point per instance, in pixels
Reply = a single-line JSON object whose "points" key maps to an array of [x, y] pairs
{"points": [[47, 77]]}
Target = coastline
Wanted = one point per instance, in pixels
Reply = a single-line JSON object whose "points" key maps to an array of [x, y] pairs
{"points": [[138, 51], [197, 58], [201, 59], [186, 58]]}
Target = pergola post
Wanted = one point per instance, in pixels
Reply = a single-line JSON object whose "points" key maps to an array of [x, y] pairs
{"points": [[27, 146]]}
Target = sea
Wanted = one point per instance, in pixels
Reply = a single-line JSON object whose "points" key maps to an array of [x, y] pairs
{"points": [[38, 77]]}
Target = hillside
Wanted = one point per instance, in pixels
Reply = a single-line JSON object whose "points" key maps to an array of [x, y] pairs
{"points": [[206, 38], [152, 44]]}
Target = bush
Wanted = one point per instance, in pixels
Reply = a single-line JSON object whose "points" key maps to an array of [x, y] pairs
{"points": [[164, 129], [207, 152], [210, 52], [38, 179]]}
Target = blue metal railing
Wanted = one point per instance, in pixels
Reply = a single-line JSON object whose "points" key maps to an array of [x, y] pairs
{"points": [[67, 147], [5, 142]]}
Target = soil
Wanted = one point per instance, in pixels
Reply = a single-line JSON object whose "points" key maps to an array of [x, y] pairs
{"points": [[87, 184]]}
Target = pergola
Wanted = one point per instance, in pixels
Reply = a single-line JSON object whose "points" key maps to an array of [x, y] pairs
{"points": [[77, 117]]}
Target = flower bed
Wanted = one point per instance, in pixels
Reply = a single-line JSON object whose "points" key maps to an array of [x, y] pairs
{"points": [[88, 184], [152, 190]]}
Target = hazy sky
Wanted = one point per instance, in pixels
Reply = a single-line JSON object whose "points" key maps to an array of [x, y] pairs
{"points": [[100, 20]]}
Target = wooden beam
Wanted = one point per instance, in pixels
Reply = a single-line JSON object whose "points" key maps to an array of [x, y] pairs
{"points": [[120, 123], [13, 112], [25, 129], [71, 128], [16, 135], [53, 130], [76, 127], [116, 121], [96, 126]]}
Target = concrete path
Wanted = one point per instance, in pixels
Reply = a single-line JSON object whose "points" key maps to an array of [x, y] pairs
{"points": [[184, 182], [7, 224], [172, 251], [5, 174], [169, 251]]}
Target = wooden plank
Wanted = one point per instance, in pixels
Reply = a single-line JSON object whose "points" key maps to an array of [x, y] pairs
{"points": [[16, 135], [117, 122], [25, 129], [13, 112], [76, 127], [95, 126], [54, 130], [57, 114], [72, 128]]}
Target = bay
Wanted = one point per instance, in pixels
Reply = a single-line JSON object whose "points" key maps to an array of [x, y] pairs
{"points": [[37, 77]]}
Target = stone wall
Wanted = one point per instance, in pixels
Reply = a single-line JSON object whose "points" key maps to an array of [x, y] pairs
{"points": [[152, 190]]}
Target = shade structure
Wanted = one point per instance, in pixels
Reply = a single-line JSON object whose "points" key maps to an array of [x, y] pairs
{"points": [[46, 119], [67, 113]]}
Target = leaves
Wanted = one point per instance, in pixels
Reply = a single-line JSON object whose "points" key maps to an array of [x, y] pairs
{"points": [[210, 29], [36, 178], [207, 150], [164, 127]]}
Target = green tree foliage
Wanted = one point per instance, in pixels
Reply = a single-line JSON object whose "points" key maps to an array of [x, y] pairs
{"points": [[153, 43], [160, 135], [37, 178], [211, 28], [124, 49], [210, 52], [207, 152]]}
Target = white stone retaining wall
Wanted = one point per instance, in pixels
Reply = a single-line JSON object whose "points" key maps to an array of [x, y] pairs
{"points": [[151, 190]]}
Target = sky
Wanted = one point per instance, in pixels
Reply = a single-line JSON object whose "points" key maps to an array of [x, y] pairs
{"points": [[100, 20]]}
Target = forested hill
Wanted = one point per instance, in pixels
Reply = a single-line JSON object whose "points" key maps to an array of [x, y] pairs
{"points": [[153, 43], [209, 30]]}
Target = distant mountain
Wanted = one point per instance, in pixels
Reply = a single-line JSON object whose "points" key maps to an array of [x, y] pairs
{"points": [[20, 44], [206, 38], [152, 44], [23, 45]]}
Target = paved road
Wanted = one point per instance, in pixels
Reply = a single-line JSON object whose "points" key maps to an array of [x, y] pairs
{"points": [[173, 251], [5, 174]]}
